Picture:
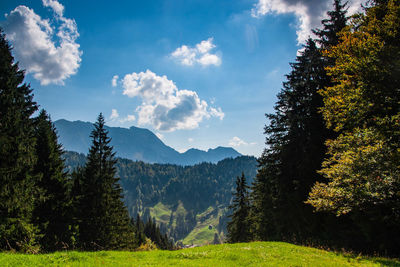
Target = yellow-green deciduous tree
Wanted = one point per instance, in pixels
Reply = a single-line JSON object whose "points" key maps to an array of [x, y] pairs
{"points": [[363, 164]]}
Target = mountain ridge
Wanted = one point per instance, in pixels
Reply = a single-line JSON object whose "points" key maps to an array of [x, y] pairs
{"points": [[137, 144]]}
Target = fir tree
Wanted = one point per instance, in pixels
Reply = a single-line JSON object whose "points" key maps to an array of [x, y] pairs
{"points": [[296, 137], [239, 226], [17, 154], [103, 220], [51, 212]]}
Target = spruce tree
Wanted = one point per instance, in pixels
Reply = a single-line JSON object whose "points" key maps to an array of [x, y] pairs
{"points": [[239, 226], [103, 219], [51, 213], [17, 154], [296, 137]]}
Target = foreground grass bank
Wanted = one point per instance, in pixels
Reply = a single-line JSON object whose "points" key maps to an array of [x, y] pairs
{"points": [[246, 254]]}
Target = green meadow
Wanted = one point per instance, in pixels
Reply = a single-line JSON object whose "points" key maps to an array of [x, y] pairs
{"points": [[244, 254]]}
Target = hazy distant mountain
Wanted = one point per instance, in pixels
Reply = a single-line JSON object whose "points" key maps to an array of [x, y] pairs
{"points": [[136, 144]]}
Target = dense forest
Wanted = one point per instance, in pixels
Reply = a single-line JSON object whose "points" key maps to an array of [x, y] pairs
{"points": [[184, 192], [329, 175]]}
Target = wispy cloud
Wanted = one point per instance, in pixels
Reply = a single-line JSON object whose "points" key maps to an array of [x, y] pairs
{"points": [[200, 54], [114, 114], [164, 106], [50, 53], [309, 13], [115, 117], [114, 81], [236, 142]]}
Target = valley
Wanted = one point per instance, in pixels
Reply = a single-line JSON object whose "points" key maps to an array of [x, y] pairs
{"points": [[189, 203]]}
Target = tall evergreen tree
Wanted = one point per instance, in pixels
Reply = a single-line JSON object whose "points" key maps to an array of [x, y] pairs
{"points": [[17, 154], [362, 171], [51, 213], [296, 137], [103, 220], [239, 226]]}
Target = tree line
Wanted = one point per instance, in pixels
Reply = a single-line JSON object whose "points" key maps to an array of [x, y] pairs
{"points": [[43, 207], [329, 175], [197, 188]]}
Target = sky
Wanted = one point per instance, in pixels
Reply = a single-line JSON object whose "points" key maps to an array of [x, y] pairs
{"points": [[198, 73]]}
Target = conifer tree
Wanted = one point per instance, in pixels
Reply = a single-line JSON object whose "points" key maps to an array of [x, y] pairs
{"points": [[51, 213], [296, 137], [239, 226], [103, 220], [17, 154]]}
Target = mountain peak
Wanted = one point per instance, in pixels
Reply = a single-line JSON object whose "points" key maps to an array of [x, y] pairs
{"points": [[136, 144]]}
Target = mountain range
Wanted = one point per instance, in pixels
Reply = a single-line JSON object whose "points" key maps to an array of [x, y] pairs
{"points": [[136, 144]]}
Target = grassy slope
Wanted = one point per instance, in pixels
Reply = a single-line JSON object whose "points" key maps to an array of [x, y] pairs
{"points": [[247, 254], [201, 234]]}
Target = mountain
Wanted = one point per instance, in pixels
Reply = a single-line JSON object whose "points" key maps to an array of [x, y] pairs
{"points": [[190, 203], [136, 144]]}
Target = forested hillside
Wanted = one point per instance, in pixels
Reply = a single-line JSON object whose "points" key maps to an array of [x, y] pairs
{"points": [[185, 201]]}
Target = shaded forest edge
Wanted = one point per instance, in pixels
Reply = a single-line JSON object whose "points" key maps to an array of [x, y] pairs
{"points": [[330, 173]]}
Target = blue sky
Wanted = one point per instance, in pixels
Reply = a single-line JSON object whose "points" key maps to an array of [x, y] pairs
{"points": [[198, 73]]}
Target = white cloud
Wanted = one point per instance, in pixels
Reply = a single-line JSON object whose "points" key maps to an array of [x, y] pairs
{"points": [[209, 59], [115, 117], [199, 54], [164, 106], [190, 140], [50, 53], [114, 114], [236, 141], [217, 112], [56, 6], [128, 118], [309, 13], [114, 81]]}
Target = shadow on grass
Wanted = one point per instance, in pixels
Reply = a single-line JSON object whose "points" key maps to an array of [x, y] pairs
{"points": [[392, 262]]}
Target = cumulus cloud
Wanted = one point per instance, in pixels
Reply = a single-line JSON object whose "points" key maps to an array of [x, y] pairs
{"points": [[164, 106], [56, 6], [309, 13], [236, 141], [114, 81], [50, 53], [200, 54]]}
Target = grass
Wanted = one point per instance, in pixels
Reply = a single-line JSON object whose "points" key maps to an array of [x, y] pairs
{"points": [[160, 212], [201, 234], [246, 254]]}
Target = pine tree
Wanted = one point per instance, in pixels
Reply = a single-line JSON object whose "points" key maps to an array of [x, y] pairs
{"points": [[17, 154], [296, 137], [51, 213], [103, 220], [239, 226]]}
